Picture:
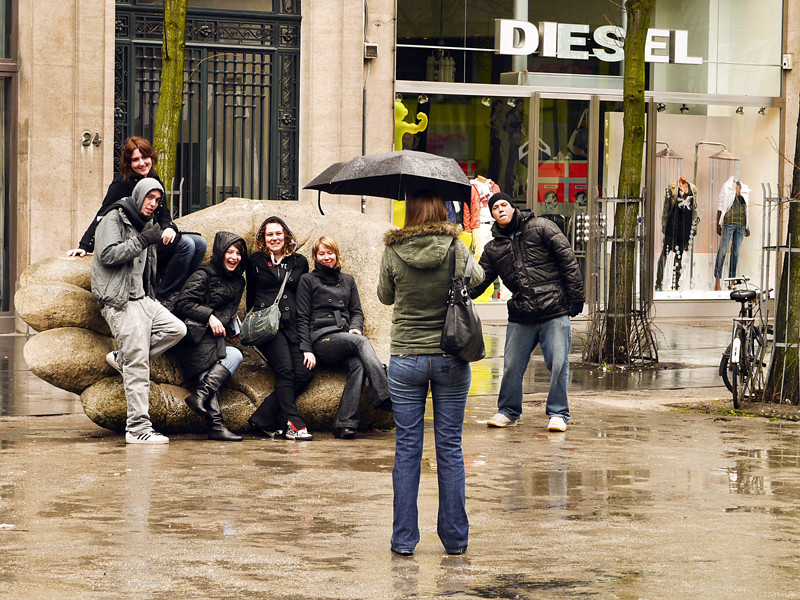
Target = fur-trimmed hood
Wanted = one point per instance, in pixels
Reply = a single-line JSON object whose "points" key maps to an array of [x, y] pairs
{"points": [[422, 246]]}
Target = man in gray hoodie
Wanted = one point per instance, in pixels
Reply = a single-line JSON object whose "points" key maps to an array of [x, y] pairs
{"points": [[124, 282]]}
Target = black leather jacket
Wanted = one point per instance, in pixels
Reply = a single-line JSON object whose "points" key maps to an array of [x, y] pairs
{"points": [[536, 262]]}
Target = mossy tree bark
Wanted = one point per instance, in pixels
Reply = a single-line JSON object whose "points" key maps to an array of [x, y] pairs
{"points": [[623, 251], [783, 379], [170, 97]]}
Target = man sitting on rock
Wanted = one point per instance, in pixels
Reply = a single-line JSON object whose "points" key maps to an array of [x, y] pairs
{"points": [[124, 282]]}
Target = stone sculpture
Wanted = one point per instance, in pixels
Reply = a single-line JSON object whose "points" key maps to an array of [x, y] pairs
{"points": [[54, 298]]}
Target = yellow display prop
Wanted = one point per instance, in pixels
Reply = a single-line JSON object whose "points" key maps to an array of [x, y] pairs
{"points": [[402, 127]]}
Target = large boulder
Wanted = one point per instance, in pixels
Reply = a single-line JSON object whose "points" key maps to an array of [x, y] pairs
{"points": [[71, 358], [74, 270], [70, 351], [50, 304]]}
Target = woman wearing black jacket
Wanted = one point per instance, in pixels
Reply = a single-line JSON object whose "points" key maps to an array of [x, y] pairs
{"points": [[274, 259], [179, 254], [330, 324], [208, 303]]}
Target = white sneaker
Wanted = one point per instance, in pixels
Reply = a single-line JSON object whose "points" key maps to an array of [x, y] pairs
{"points": [[557, 424], [146, 437], [500, 420], [112, 358]]}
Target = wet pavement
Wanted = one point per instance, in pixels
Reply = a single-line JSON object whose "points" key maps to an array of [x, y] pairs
{"points": [[636, 500]]}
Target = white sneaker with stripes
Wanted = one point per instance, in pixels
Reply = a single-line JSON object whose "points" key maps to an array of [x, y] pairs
{"points": [[146, 437]]}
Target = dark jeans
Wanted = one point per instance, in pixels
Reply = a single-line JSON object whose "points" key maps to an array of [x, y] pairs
{"points": [[187, 256], [448, 378], [356, 353], [291, 378]]}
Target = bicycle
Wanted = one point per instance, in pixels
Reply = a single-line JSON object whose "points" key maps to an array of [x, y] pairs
{"points": [[742, 364]]}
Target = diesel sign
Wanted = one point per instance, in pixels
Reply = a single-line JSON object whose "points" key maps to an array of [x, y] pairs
{"points": [[570, 41]]}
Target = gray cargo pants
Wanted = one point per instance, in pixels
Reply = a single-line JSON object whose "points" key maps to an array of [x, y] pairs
{"points": [[144, 329]]}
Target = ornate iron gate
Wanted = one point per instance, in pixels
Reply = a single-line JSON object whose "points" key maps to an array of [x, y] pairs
{"points": [[239, 125]]}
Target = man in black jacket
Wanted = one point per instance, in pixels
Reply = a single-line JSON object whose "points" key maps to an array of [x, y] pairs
{"points": [[536, 262]]}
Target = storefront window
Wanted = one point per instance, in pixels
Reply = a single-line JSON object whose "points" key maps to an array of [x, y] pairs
{"points": [[737, 45], [739, 42], [711, 147]]}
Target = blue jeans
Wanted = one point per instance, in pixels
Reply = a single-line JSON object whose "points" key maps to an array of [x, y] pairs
{"points": [[729, 231], [233, 358], [449, 378], [188, 255], [555, 337]]}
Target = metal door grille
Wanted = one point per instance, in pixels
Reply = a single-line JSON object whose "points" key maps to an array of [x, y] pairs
{"points": [[239, 125]]}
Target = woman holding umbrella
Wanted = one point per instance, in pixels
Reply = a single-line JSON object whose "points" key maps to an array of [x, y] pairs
{"points": [[273, 260], [415, 277], [330, 325]]}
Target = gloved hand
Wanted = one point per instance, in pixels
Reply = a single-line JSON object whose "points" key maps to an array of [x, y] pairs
{"points": [[150, 234], [575, 309]]}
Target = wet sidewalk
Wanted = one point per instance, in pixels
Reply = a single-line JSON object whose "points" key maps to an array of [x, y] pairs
{"points": [[635, 500]]}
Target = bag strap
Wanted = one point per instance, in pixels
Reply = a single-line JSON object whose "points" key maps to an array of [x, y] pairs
{"points": [[283, 286], [451, 251]]}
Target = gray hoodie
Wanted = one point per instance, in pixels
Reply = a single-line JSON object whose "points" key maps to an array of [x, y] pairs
{"points": [[118, 249]]}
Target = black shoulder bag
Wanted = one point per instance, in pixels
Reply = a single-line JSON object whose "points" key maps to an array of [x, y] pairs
{"points": [[462, 335]]}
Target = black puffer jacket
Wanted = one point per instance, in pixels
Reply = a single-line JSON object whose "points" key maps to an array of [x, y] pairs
{"points": [[122, 188], [209, 290], [536, 262], [264, 280], [327, 301]]}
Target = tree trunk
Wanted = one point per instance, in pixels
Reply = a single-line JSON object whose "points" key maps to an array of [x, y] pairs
{"points": [[170, 98], [616, 345], [783, 379]]}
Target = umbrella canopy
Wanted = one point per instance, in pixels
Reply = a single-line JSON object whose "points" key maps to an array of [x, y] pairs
{"points": [[395, 175]]}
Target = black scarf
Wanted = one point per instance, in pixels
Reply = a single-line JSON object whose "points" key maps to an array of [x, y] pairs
{"points": [[135, 216], [512, 224]]}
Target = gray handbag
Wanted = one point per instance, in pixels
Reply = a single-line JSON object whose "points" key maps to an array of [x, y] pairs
{"points": [[260, 326]]}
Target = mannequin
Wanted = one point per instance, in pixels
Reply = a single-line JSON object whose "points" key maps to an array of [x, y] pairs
{"points": [[678, 224], [733, 224]]}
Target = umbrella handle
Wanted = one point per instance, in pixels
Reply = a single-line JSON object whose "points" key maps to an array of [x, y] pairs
{"points": [[319, 202]]}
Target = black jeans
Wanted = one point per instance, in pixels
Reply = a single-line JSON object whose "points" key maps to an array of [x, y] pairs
{"points": [[291, 378], [358, 356]]}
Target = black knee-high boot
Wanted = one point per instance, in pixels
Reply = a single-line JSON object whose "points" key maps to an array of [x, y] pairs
{"points": [[200, 401], [216, 426]]}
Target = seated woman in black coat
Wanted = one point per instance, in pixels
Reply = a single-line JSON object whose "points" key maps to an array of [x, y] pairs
{"points": [[274, 259], [208, 303], [330, 325]]}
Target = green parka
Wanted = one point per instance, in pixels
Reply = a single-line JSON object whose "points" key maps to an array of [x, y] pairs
{"points": [[415, 277]]}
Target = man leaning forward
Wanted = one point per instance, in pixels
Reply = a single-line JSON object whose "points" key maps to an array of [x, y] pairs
{"points": [[536, 262]]}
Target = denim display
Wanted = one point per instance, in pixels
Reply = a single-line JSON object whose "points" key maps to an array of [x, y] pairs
{"points": [[449, 379], [729, 232], [555, 336]]}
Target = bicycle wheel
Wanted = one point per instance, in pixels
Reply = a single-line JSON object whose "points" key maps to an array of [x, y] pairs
{"points": [[725, 369], [738, 368]]}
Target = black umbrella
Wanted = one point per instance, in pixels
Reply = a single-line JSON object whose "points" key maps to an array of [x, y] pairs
{"points": [[395, 175]]}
